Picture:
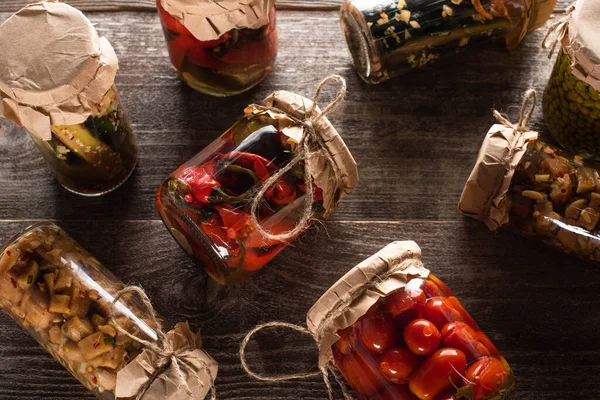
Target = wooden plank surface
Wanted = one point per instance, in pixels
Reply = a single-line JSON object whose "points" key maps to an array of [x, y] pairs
{"points": [[415, 138]]}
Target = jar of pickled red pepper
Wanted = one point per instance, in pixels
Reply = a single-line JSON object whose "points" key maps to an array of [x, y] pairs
{"points": [[571, 101], [220, 49], [397, 332], [66, 300], [390, 37], [73, 113], [206, 204], [536, 189]]}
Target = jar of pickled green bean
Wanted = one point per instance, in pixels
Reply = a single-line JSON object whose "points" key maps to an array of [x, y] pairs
{"points": [[572, 98]]}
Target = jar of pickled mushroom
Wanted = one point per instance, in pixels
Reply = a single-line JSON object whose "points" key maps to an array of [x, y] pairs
{"points": [[537, 189], [82, 315], [62, 91], [397, 332], [571, 101], [390, 37], [210, 203], [223, 47]]}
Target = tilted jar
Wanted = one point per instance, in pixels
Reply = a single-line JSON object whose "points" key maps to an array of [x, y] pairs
{"points": [[220, 48], [206, 203], [67, 301], [387, 38], [396, 332], [57, 80], [571, 100]]}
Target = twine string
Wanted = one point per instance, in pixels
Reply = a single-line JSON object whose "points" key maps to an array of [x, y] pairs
{"points": [[524, 116], [162, 347], [560, 29], [310, 141]]}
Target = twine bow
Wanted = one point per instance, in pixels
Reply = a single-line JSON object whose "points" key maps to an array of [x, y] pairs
{"points": [[310, 141], [560, 29], [166, 355], [524, 116]]}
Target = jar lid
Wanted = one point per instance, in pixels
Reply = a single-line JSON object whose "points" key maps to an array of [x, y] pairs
{"points": [[209, 19], [583, 42], [55, 67], [353, 295], [485, 195]]}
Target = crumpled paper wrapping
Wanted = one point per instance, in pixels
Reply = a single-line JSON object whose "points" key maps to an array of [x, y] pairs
{"points": [[535, 14], [131, 378], [353, 295], [485, 195], [582, 42], [54, 67], [209, 19], [334, 187]]}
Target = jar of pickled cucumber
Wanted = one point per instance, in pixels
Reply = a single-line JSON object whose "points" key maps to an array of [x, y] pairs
{"points": [[536, 189], [221, 50], [62, 91], [571, 101], [66, 300], [397, 332], [390, 37], [207, 203]]}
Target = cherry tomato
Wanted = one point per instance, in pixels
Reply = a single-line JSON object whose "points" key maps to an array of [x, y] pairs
{"points": [[363, 374], [447, 395], [430, 288], [466, 316], [487, 376], [377, 332], [394, 392], [440, 312], [397, 364], [421, 337], [347, 340], [405, 305], [445, 289], [487, 343], [437, 373], [461, 336]]}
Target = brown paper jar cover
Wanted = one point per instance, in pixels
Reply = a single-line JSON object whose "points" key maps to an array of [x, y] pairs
{"points": [[54, 68], [217, 230], [209, 19], [390, 326]]}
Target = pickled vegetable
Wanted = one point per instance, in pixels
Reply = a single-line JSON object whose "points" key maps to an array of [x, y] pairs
{"points": [[422, 361], [66, 306]]}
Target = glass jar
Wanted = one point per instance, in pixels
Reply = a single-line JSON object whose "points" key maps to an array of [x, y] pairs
{"points": [[232, 63], [571, 100], [62, 296], [388, 38], [206, 202], [97, 156], [395, 331]]}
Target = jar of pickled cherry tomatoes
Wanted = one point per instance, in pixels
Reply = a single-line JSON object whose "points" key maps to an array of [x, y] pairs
{"points": [[220, 49], [388, 38], [571, 101], [395, 331], [74, 115], [206, 203], [66, 300]]}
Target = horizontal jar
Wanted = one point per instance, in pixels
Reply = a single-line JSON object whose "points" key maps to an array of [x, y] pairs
{"points": [[62, 296], [389, 38], [233, 63], [96, 156]]}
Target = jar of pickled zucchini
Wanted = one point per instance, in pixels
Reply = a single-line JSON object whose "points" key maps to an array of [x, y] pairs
{"points": [[571, 101], [66, 300], [397, 332], [207, 203], [536, 189], [62, 91], [220, 49], [390, 37]]}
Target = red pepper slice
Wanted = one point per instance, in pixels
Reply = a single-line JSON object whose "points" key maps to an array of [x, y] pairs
{"points": [[170, 22], [285, 192], [253, 261], [214, 229], [262, 167], [253, 51], [203, 57], [234, 219], [179, 48], [201, 181]]}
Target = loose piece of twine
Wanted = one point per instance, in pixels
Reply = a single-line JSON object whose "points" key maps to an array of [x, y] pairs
{"points": [[162, 348], [560, 28], [524, 116], [310, 140], [326, 322]]}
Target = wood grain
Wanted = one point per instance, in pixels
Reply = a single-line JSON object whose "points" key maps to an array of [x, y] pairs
{"points": [[150, 5]]}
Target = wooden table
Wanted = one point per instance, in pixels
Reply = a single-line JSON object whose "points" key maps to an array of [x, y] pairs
{"points": [[415, 139]]}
